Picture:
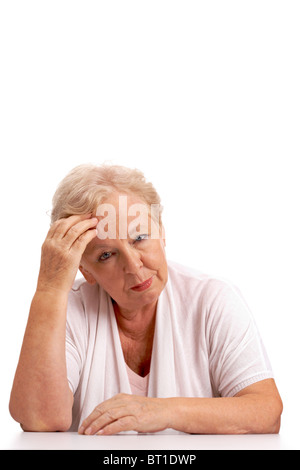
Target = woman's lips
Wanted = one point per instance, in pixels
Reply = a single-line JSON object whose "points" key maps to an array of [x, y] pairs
{"points": [[143, 286]]}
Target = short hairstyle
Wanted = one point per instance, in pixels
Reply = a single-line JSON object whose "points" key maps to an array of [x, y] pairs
{"points": [[85, 187]]}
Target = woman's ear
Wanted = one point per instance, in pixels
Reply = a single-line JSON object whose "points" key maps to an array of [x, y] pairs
{"points": [[87, 275]]}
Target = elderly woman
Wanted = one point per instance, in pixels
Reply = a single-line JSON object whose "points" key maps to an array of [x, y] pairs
{"points": [[138, 343]]}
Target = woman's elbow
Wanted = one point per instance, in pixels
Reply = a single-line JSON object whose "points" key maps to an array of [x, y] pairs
{"points": [[276, 427], [40, 423], [42, 426], [271, 422], [278, 409], [46, 425], [42, 415]]}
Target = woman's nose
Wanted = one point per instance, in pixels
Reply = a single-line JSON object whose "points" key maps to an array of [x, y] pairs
{"points": [[132, 261]]}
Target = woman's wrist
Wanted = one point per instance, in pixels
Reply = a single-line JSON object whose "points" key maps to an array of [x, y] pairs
{"points": [[50, 288], [44, 290], [183, 413], [173, 412]]}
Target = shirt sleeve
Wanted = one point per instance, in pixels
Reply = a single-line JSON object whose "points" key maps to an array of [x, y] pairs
{"points": [[237, 354], [75, 339]]}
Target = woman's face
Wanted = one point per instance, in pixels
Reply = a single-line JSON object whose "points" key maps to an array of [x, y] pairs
{"points": [[132, 270]]}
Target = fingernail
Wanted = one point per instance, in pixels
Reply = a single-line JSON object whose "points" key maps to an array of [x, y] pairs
{"points": [[88, 431], [80, 430]]}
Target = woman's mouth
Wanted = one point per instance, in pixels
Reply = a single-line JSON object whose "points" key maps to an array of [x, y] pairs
{"points": [[143, 286]]}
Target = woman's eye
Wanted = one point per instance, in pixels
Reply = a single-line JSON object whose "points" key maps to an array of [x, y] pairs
{"points": [[141, 237], [104, 256]]}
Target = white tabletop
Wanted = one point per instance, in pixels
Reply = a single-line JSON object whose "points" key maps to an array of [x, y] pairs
{"points": [[72, 441]]}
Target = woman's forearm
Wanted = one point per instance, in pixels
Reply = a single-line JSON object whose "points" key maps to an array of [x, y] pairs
{"points": [[247, 414], [256, 409], [41, 399]]}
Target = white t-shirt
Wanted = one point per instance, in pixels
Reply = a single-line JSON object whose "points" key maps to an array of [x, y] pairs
{"points": [[206, 343]]}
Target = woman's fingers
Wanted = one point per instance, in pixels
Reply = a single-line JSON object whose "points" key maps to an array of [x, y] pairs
{"points": [[63, 249], [79, 230], [104, 413], [61, 227], [99, 421], [126, 413], [74, 229], [126, 423]]}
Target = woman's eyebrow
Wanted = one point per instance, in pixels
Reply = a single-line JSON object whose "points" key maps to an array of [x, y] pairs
{"points": [[90, 252], [96, 247]]}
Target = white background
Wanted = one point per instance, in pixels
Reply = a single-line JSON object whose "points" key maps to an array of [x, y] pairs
{"points": [[203, 96]]}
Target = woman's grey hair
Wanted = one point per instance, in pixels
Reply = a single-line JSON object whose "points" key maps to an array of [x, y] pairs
{"points": [[86, 186]]}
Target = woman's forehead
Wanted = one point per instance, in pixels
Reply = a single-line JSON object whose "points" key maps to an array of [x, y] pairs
{"points": [[122, 200], [123, 216]]}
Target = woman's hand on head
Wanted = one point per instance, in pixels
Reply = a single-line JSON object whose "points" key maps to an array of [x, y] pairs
{"points": [[127, 413], [62, 251]]}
